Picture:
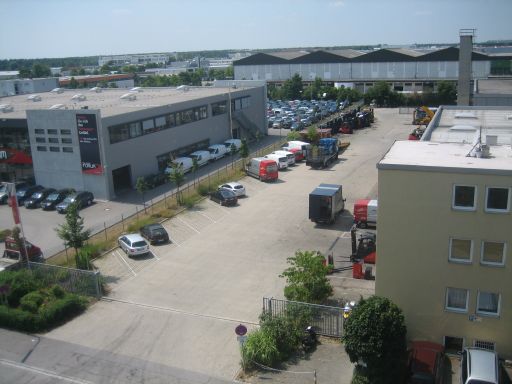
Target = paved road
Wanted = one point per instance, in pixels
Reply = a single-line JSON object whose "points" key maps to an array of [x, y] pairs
{"points": [[176, 312]]}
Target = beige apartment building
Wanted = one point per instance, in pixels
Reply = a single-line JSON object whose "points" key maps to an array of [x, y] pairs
{"points": [[445, 229]]}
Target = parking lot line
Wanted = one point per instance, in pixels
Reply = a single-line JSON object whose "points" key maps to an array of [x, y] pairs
{"points": [[173, 241], [188, 225], [126, 263], [208, 217]]}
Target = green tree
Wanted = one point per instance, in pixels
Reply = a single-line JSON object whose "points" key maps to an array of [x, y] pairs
{"points": [[195, 166], [73, 83], [307, 278], [313, 134], [375, 334], [177, 176], [293, 135], [244, 152], [292, 88], [72, 231], [81, 72], [41, 70], [142, 187], [25, 73], [447, 93]]}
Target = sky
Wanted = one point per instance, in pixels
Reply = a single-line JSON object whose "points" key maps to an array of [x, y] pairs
{"points": [[64, 28]]}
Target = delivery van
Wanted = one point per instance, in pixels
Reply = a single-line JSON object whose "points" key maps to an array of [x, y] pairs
{"points": [[365, 213], [262, 169], [289, 155], [236, 142], [184, 162], [302, 145], [202, 157], [217, 151], [282, 161]]}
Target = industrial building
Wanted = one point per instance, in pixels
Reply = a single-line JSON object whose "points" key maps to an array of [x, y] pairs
{"points": [[102, 140], [25, 86], [137, 59], [445, 234]]}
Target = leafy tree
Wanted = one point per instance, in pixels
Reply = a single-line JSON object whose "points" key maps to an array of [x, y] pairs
{"points": [[25, 73], [72, 231], [73, 83], [313, 134], [307, 278], [41, 70], [244, 152], [142, 187], [177, 176], [292, 88], [81, 72], [293, 135], [375, 334], [446, 92], [195, 166]]}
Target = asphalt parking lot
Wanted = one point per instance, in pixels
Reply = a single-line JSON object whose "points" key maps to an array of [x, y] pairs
{"points": [[175, 311]]}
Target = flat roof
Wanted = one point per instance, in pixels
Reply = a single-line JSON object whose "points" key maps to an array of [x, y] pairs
{"points": [[108, 100]]}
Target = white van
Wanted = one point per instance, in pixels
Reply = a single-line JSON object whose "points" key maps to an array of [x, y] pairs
{"points": [[185, 163], [281, 160], [236, 142], [479, 366], [289, 155], [302, 145], [202, 157], [217, 151]]}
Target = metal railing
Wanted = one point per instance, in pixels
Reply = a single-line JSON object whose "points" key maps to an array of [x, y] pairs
{"points": [[326, 320]]}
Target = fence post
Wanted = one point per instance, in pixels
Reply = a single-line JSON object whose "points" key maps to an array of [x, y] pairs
{"points": [[105, 229], [98, 284], [137, 212], [122, 220]]}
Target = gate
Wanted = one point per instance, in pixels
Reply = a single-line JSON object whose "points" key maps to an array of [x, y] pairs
{"points": [[327, 321]]}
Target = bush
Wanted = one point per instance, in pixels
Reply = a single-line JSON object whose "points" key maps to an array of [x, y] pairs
{"points": [[20, 283], [18, 319], [31, 301], [60, 310], [5, 233], [260, 347], [359, 376], [57, 291]]}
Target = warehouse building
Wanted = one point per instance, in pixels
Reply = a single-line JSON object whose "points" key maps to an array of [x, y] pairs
{"points": [[103, 140]]}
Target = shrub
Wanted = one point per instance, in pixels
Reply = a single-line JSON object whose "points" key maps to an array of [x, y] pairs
{"points": [[260, 347], [18, 319], [20, 283], [5, 233], [58, 311], [31, 301], [57, 291]]}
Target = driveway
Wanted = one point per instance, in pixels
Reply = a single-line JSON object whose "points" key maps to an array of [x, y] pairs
{"points": [[176, 311]]}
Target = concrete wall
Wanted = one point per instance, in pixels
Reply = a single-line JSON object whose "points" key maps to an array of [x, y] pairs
{"points": [[416, 222], [62, 169], [26, 86]]}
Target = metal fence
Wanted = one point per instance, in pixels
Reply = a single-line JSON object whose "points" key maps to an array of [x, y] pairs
{"points": [[327, 321], [72, 280]]}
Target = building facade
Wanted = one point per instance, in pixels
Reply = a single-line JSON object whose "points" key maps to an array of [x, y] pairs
{"points": [[141, 59], [26, 86], [445, 234]]}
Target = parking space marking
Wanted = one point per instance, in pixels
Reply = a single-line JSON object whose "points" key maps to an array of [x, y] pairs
{"points": [[126, 263], [188, 225], [173, 241], [208, 217]]}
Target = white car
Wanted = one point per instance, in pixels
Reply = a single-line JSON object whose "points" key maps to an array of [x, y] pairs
{"points": [[237, 188], [133, 244]]}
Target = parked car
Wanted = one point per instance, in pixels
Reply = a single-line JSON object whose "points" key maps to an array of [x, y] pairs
{"points": [[282, 161], [24, 193], [83, 199], [425, 363], [289, 156], [3, 190], [217, 151], [185, 163], [237, 188], [236, 142], [224, 197], [36, 199], [154, 233], [133, 244], [202, 157], [55, 198], [479, 366]]}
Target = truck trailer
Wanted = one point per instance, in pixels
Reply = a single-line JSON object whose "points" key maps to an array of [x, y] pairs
{"points": [[321, 155], [325, 203]]}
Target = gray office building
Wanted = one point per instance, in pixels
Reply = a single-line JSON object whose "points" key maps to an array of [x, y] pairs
{"points": [[103, 140]]}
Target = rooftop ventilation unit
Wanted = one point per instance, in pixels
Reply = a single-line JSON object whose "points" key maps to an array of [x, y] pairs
{"points": [[463, 128], [136, 89], [78, 97], [57, 106], [34, 98], [57, 90], [465, 115], [129, 96], [6, 108], [95, 89], [509, 117], [183, 88]]}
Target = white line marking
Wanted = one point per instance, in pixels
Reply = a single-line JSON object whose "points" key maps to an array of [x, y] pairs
{"points": [[188, 225], [208, 217], [173, 241], [154, 254], [43, 372], [128, 265]]}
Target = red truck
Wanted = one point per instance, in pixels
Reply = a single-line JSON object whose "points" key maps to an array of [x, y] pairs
{"points": [[365, 213], [11, 254]]}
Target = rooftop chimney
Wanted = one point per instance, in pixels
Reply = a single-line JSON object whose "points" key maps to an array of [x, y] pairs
{"points": [[465, 52]]}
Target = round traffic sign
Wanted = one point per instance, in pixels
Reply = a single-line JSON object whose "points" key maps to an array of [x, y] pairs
{"points": [[241, 330]]}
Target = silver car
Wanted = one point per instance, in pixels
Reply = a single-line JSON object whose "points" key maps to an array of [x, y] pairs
{"points": [[133, 244], [237, 188]]}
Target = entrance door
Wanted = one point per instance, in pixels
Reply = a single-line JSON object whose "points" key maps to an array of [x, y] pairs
{"points": [[122, 178]]}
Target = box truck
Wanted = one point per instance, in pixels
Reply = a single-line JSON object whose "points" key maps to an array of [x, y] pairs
{"points": [[325, 203], [262, 169], [365, 213]]}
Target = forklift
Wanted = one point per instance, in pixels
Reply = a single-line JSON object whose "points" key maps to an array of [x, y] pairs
{"points": [[364, 251]]}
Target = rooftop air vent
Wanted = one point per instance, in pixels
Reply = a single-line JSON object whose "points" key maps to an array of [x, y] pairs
{"points": [[183, 88], [509, 117], [34, 98], [465, 115], [6, 108], [463, 128], [136, 89], [57, 90], [57, 106], [78, 97], [129, 96], [95, 89]]}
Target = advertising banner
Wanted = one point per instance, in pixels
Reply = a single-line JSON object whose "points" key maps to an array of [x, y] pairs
{"points": [[88, 142]]}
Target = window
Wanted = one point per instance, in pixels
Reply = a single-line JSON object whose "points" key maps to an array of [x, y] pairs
{"points": [[461, 250], [39, 131], [148, 126], [42, 149], [54, 149], [53, 140], [40, 140], [67, 149], [135, 129], [119, 133], [497, 199], [493, 253], [219, 108], [464, 197], [488, 303], [52, 132], [65, 131], [66, 140], [457, 299]]}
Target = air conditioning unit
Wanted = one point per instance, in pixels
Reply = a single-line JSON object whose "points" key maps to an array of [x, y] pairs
{"points": [[78, 97], [6, 108], [57, 90], [129, 96], [34, 98], [57, 106]]}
